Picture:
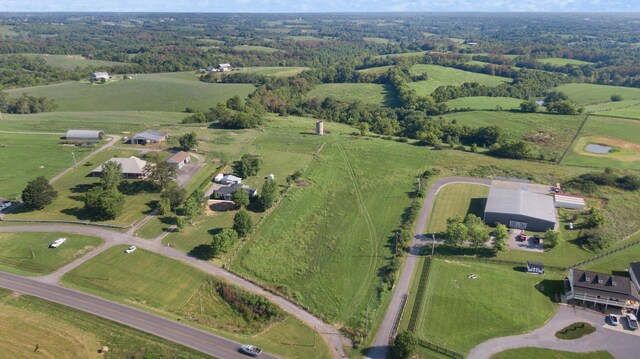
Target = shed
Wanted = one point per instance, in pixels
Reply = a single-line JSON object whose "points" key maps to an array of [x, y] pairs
{"points": [[230, 179], [97, 76], [218, 178], [520, 209], [85, 135], [224, 67], [180, 159], [148, 136], [535, 267], [569, 201]]}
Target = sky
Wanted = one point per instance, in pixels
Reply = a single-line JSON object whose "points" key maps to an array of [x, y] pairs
{"points": [[279, 6]]}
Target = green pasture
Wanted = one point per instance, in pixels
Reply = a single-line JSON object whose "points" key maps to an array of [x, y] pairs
{"points": [[367, 93], [485, 103], [486, 307], [456, 199], [588, 94], [171, 92], [29, 253], [537, 353], [625, 109], [23, 157], [375, 70], [71, 62], [275, 71], [254, 48], [616, 263], [377, 40], [402, 54], [558, 61], [179, 291], [442, 76]]}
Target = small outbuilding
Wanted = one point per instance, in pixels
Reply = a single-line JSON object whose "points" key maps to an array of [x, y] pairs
{"points": [[230, 180], [224, 67], [148, 136], [84, 135], [535, 267], [569, 201], [97, 76], [180, 159]]}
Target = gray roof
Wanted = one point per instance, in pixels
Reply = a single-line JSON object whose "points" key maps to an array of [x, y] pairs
{"points": [[634, 267], [131, 165], [100, 74], [599, 283], [84, 134], [223, 191], [150, 135], [518, 201], [534, 264]]}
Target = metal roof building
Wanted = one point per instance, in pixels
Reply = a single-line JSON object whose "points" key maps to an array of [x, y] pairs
{"points": [[93, 135], [148, 136], [132, 167], [569, 201], [520, 209]]}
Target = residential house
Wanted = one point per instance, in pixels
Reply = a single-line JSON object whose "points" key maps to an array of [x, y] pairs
{"points": [[226, 192], [148, 136], [132, 167], [180, 159], [604, 289]]}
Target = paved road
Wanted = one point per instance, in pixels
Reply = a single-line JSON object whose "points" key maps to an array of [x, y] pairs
{"points": [[113, 140], [335, 340], [621, 345], [381, 341], [179, 333]]}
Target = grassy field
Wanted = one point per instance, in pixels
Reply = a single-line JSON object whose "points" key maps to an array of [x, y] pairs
{"points": [[367, 93], [621, 134], [587, 94], [485, 103], [253, 48], [62, 332], [71, 62], [29, 253], [376, 40], [275, 71], [537, 353], [483, 308], [402, 54], [616, 263], [29, 156], [70, 206], [456, 199], [442, 76], [624, 108], [179, 291], [558, 61], [146, 92], [375, 70], [115, 122]]}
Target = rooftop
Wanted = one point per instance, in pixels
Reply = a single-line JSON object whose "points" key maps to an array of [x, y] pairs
{"points": [[151, 135], [179, 157], [593, 282], [132, 165], [88, 134], [522, 202]]}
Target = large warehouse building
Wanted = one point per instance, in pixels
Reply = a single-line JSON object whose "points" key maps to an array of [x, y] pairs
{"points": [[520, 209]]}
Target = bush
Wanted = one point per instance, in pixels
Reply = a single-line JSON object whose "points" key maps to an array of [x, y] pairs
{"points": [[616, 98], [252, 307], [404, 345]]}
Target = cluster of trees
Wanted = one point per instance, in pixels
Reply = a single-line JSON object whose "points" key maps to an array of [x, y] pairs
{"points": [[589, 182], [558, 102], [188, 141], [472, 229], [255, 308], [25, 104], [105, 200], [248, 165]]}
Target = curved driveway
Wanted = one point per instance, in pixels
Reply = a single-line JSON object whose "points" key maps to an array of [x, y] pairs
{"points": [[381, 341]]}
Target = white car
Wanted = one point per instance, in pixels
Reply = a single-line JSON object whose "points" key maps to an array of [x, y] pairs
{"points": [[57, 242], [632, 321], [250, 350], [5, 205], [130, 249]]}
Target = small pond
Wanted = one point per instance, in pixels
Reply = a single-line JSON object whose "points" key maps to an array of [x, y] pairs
{"points": [[596, 148]]}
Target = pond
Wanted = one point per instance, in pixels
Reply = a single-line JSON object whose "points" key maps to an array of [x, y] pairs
{"points": [[596, 148]]}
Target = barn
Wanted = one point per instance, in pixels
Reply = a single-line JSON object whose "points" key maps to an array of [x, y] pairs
{"points": [[84, 135], [180, 159], [148, 136], [520, 209]]}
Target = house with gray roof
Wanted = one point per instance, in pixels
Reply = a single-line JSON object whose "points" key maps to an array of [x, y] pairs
{"points": [[132, 167], [226, 192], [148, 136], [603, 289], [520, 209], [84, 135]]}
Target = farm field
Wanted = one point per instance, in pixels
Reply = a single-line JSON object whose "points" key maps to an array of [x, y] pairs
{"points": [[62, 332], [456, 199], [254, 48], [112, 122], [29, 253], [558, 61], [178, 291], [366, 93], [71, 62], [29, 156], [376, 40], [624, 109], [621, 134], [375, 70], [402, 54], [442, 76], [333, 236], [588, 94], [170, 92], [275, 71], [486, 307], [536, 353], [485, 103]]}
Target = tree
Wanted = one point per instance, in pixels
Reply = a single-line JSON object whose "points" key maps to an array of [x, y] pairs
{"points": [[193, 206], [38, 193], [404, 345], [235, 103], [555, 96], [595, 219], [164, 206], [552, 238], [188, 141], [268, 194], [456, 232], [180, 223], [476, 232], [105, 203], [159, 172], [248, 165], [240, 197], [242, 223], [563, 107], [173, 194], [616, 98], [500, 237], [628, 182], [223, 241], [111, 175], [364, 128], [528, 106]]}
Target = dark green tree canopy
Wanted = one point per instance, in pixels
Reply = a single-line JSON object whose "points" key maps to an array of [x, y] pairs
{"points": [[38, 193]]}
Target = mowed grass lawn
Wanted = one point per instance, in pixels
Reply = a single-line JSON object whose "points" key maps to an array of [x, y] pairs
{"points": [[537, 353], [171, 92], [442, 76], [178, 291], [456, 199], [587, 94], [29, 253], [62, 332], [485, 103], [334, 231], [624, 108], [112, 122], [25, 157], [460, 313], [616, 263], [368, 93], [621, 134]]}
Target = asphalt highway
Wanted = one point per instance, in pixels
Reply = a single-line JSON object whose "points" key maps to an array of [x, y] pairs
{"points": [[188, 336]]}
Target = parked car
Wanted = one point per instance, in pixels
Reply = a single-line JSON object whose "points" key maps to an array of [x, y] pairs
{"points": [[612, 320], [250, 350], [632, 321], [5, 205], [57, 242], [130, 249]]}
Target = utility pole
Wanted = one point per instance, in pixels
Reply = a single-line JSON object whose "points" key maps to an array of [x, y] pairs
{"points": [[75, 164]]}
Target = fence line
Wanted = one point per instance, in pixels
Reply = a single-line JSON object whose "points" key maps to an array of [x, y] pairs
{"points": [[439, 349], [417, 304], [398, 319], [604, 254]]}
